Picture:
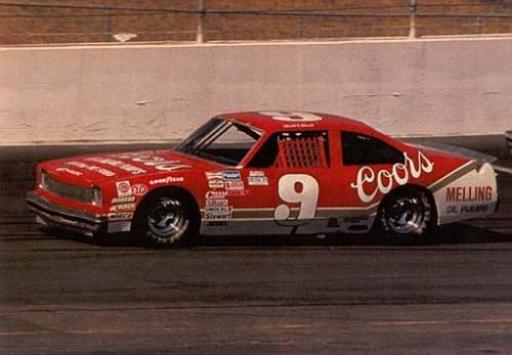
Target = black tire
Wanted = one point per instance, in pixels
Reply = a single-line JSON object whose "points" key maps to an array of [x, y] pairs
{"points": [[406, 213], [167, 218]]}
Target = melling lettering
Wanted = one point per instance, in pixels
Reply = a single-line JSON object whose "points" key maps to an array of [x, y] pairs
{"points": [[469, 193], [400, 173]]}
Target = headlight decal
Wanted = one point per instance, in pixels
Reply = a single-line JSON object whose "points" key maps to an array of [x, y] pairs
{"points": [[97, 196]]}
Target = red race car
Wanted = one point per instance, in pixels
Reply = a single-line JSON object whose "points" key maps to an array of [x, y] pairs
{"points": [[265, 173]]}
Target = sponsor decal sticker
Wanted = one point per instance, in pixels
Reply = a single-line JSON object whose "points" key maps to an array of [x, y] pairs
{"points": [[216, 184], [217, 206], [152, 159], [167, 180], [126, 199], [215, 180], [123, 188], [231, 181], [93, 168], [467, 209], [139, 189], [217, 224], [119, 216], [474, 208], [215, 194], [469, 193], [257, 178], [124, 207], [134, 170], [159, 163], [400, 174], [235, 187], [210, 175], [231, 175]]}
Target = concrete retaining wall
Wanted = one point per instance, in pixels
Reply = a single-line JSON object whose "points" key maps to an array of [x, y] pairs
{"points": [[162, 92]]}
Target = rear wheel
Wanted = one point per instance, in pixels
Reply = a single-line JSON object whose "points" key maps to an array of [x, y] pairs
{"points": [[167, 219], [406, 213]]}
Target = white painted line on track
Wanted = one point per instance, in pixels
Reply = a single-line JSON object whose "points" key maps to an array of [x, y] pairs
{"points": [[442, 322], [391, 323]]}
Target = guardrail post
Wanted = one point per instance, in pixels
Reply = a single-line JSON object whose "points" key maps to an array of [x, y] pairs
{"points": [[200, 20], [412, 19], [107, 29]]}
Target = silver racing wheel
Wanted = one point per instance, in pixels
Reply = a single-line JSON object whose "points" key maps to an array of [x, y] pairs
{"points": [[166, 219], [406, 213]]}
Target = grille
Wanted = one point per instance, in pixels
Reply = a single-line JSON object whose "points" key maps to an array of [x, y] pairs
{"points": [[79, 193]]}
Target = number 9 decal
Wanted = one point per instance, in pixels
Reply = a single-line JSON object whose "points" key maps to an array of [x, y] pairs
{"points": [[297, 188], [292, 116]]}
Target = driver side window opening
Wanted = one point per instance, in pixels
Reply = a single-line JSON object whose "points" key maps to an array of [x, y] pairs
{"points": [[223, 141], [308, 149]]}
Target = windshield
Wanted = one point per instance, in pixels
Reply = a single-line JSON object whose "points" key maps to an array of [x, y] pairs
{"points": [[222, 141]]}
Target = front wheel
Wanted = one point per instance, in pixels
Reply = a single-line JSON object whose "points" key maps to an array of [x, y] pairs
{"points": [[167, 219], [406, 213]]}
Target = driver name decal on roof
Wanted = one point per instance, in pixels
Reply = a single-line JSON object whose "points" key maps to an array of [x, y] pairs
{"points": [[384, 180]]}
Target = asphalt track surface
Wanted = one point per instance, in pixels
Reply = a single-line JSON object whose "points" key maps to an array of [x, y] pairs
{"points": [[62, 294]]}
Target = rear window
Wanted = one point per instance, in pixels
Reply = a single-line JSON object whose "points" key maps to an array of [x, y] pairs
{"points": [[359, 149]]}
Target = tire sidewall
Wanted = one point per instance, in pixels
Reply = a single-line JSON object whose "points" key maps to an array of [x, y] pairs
{"points": [[428, 218], [143, 233]]}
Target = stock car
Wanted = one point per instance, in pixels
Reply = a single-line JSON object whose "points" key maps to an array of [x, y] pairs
{"points": [[265, 173]]}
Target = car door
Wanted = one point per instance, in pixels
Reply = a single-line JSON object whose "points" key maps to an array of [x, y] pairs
{"points": [[288, 184]]}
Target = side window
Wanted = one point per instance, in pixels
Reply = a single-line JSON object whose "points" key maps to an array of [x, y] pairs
{"points": [[309, 149], [359, 149]]}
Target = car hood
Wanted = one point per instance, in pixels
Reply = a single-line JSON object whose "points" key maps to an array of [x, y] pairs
{"points": [[95, 169]]}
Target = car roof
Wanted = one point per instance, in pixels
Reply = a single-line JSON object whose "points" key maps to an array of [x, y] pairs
{"points": [[265, 120]]}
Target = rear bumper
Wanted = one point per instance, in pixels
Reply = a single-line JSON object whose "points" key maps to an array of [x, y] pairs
{"points": [[52, 215]]}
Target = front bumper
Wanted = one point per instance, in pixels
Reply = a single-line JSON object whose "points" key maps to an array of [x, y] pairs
{"points": [[52, 215]]}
